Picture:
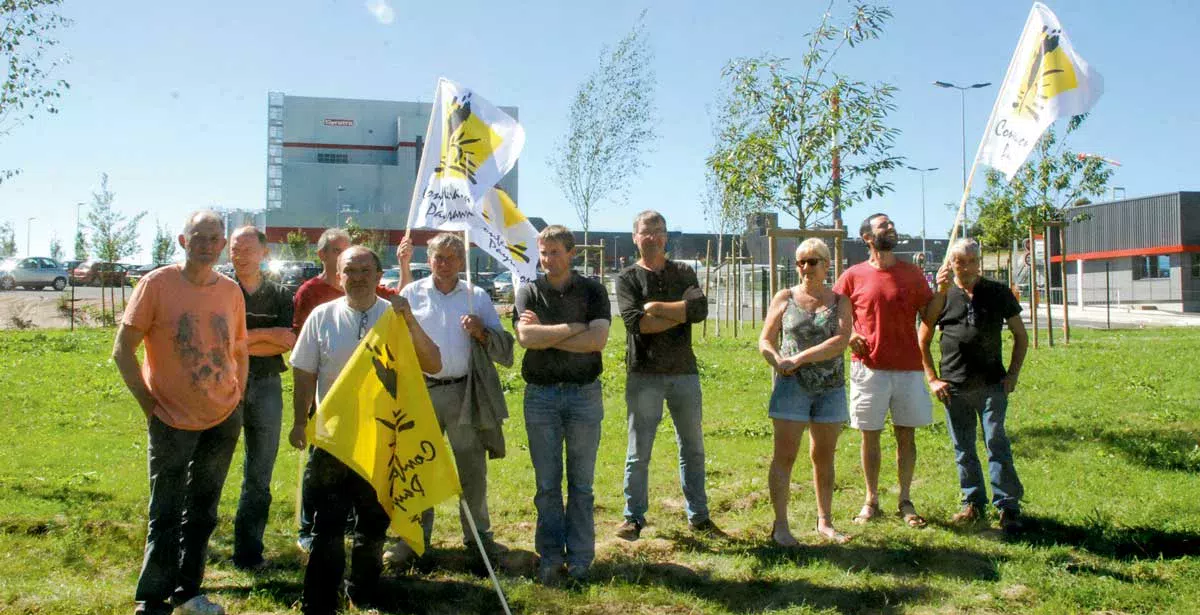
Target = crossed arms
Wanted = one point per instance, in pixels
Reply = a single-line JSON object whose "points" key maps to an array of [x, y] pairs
{"points": [[571, 337]]}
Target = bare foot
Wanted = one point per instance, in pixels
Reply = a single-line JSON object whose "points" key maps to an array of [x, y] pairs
{"points": [[832, 535], [783, 537], [868, 513]]}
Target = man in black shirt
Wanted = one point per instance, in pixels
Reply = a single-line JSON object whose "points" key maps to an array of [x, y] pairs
{"points": [[269, 335], [974, 384], [562, 320], [659, 300]]}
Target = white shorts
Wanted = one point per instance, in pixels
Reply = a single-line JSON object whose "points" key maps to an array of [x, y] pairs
{"points": [[872, 392]]}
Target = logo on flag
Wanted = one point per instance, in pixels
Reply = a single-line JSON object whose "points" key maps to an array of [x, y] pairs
{"points": [[1046, 80], [508, 235], [475, 145], [378, 420]]}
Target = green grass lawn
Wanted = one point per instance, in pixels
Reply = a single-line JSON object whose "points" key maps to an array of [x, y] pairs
{"points": [[1105, 434]]}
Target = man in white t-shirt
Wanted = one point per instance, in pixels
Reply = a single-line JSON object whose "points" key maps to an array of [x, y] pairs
{"points": [[326, 342]]}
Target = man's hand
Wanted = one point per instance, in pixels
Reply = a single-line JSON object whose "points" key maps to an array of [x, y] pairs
{"points": [[297, 437], [858, 345], [404, 252], [944, 277], [941, 389], [1010, 382], [401, 306], [693, 293], [529, 318], [474, 327]]}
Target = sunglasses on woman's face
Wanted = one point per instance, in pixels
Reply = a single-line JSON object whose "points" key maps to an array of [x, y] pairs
{"points": [[811, 262]]}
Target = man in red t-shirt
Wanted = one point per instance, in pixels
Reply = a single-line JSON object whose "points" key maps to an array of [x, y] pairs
{"points": [[319, 290], [885, 369]]}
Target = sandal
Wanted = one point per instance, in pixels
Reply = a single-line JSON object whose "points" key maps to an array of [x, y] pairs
{"points": [[909, 513], [868, 513]]}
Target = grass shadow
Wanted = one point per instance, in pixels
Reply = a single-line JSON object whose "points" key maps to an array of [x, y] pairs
{"points": [[1102, 538], [1155, 449], [757, 596], [899, 560]]}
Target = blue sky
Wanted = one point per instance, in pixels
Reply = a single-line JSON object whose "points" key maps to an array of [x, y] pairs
{"points": [[170, 98]]}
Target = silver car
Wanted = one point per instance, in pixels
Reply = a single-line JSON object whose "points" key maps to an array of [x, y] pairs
{"points": [[33, 273]]}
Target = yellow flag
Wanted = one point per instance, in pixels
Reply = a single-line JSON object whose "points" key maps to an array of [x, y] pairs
{"points": [[378, 420]]}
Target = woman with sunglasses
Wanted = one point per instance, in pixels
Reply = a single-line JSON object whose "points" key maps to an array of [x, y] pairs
{"points": [[810, 389]]}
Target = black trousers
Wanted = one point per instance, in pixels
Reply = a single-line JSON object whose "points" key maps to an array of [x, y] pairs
{"points": [[334, 490]]}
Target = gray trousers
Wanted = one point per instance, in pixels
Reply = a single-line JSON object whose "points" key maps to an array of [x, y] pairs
{"points": [[470, 458]]}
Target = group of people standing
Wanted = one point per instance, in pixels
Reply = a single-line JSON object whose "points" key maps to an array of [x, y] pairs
{"points": [[214, 354]]}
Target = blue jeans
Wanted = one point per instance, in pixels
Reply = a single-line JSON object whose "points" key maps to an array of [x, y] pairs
{"points": [[187, 471], [988, 404], [644, 397], [555, 414], [334, 490], [262, 412]]}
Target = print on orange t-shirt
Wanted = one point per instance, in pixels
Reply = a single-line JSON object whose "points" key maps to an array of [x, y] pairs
{"points": [[886, 303], [195, 337]]}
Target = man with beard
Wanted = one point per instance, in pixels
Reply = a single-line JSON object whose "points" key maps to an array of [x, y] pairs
{"points": [[886, 373]]}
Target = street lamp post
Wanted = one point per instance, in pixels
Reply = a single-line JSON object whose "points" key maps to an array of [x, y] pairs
{"points": [[962, 91], [28, 230], [922, 172], [337, 208]]}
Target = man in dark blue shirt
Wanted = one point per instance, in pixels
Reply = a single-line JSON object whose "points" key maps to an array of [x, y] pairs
{"points": [[974, 385]]}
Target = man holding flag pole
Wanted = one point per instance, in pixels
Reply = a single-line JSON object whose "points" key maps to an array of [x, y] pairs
{"points": [[1046, 80]]}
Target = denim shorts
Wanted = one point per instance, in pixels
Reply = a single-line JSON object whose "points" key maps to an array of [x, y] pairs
{"points": [[792, 402]]}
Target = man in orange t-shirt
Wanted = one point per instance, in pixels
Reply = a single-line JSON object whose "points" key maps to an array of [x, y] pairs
{"points": [[193, 323]]}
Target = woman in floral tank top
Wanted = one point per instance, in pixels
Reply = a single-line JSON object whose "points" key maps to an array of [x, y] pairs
{"points": [[810, 389]]}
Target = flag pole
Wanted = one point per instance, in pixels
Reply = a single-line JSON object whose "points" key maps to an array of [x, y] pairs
{"points": [[483, 553], [416, 196], [962, 205], [467, 258]]}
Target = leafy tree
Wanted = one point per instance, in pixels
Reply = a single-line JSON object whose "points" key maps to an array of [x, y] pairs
{"points": [[114, 236], [297, 245], [8, 240], [360, 236], [27, 39], [779, 131], [1052, 181], [81, 246], [610, 127], [56, 249], [164, 245]]}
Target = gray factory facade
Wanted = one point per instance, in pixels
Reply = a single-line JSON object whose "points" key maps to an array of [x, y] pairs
{"points": [[333, 158]]}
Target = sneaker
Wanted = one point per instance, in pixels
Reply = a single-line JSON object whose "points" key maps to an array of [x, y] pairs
{"points": [[304, 543], [706, 527], [200, 605], [629, 530], [491, 547], [970, 514], [398, 554], [1010, 520]]}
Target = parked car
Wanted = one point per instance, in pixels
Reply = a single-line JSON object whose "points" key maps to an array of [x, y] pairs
{"points": [[135, 274], [294, 273], [391, 278], [92, 273], [502, 288], [483, 280], [70, 267], [33, 273]]}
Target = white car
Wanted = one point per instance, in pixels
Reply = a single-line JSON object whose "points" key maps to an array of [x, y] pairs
{"points": [[33, 273]]}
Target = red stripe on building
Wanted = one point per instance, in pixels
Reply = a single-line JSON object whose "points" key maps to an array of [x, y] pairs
{"points": [[372, 148], [278, 234], [1105, 254]]}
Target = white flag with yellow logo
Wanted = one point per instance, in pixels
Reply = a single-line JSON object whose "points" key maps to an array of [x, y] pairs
{"points": [[507, 235], [1046, 80], [469, 146]]}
